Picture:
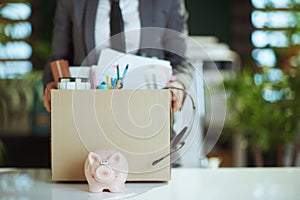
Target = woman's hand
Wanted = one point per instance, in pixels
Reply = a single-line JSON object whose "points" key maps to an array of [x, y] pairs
{"points": [[47, 95], [177, 95]]}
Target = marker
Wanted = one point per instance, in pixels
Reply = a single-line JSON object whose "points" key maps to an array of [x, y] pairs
{"points": [[95, 80], [118, 72], [108, 83], [124, 73], [114, 83]]}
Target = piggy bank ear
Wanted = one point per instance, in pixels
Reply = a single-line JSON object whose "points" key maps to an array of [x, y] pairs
{"points": [[93, 157], [115, 158]]}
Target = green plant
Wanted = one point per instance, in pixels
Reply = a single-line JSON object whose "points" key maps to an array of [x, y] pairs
{"points": [[263, 110], [20, 97]]}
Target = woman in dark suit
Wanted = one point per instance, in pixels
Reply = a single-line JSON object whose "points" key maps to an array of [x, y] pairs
{"points": [[81, 25]]}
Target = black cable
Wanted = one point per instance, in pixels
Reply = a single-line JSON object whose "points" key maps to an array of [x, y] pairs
{"points": [[179, 137]]}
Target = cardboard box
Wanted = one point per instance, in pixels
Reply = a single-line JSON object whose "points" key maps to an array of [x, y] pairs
{"points": [[136, 123]]}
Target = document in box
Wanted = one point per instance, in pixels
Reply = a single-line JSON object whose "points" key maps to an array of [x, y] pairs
{"points": [[143, 72]]}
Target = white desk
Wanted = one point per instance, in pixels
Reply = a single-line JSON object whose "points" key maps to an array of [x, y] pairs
{"points": [[187, 184]]}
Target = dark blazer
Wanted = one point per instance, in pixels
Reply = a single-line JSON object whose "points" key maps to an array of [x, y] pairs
{"points": [[73, 35]]}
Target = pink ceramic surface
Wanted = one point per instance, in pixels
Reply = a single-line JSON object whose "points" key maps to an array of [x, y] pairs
{"points": [[106, 170]]}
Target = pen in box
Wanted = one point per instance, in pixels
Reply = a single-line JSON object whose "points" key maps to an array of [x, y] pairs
{"points": [[114, 83], [108, 82], [118, 72], [124, 73]]}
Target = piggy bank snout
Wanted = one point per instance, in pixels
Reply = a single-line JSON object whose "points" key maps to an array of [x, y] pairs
{"points": [[104, 173]]}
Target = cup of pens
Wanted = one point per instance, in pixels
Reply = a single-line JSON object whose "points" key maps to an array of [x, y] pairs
{"points": [[112, 82]]}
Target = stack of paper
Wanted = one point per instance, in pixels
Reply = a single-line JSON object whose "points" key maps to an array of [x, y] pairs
{"points": [[143, 72]]}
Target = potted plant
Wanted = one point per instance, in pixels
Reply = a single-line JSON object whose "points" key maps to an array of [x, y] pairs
{"points": [[264, 109], [21, 102]]}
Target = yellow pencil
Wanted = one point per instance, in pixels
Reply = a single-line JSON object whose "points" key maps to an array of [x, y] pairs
{"points": [[108, 82]]}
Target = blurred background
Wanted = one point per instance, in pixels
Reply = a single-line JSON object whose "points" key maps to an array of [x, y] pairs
{"points": [[254, 43]]}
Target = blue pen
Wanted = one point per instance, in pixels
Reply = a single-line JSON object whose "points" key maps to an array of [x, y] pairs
{"points": [[115, 82], [112, 82], [124, 73]]}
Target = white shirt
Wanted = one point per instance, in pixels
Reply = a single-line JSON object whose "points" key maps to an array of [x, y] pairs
{"points": [[132, 24]]}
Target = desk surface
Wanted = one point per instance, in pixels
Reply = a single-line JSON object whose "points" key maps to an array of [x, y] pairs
{"points": [[186, 183]]}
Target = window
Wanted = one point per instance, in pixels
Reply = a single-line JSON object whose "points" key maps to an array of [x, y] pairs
{"points": [[276, 40], [276, 23], [14, 33]]}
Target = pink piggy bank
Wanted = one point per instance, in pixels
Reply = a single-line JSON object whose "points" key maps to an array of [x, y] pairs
{"points": [[106, 170]]}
